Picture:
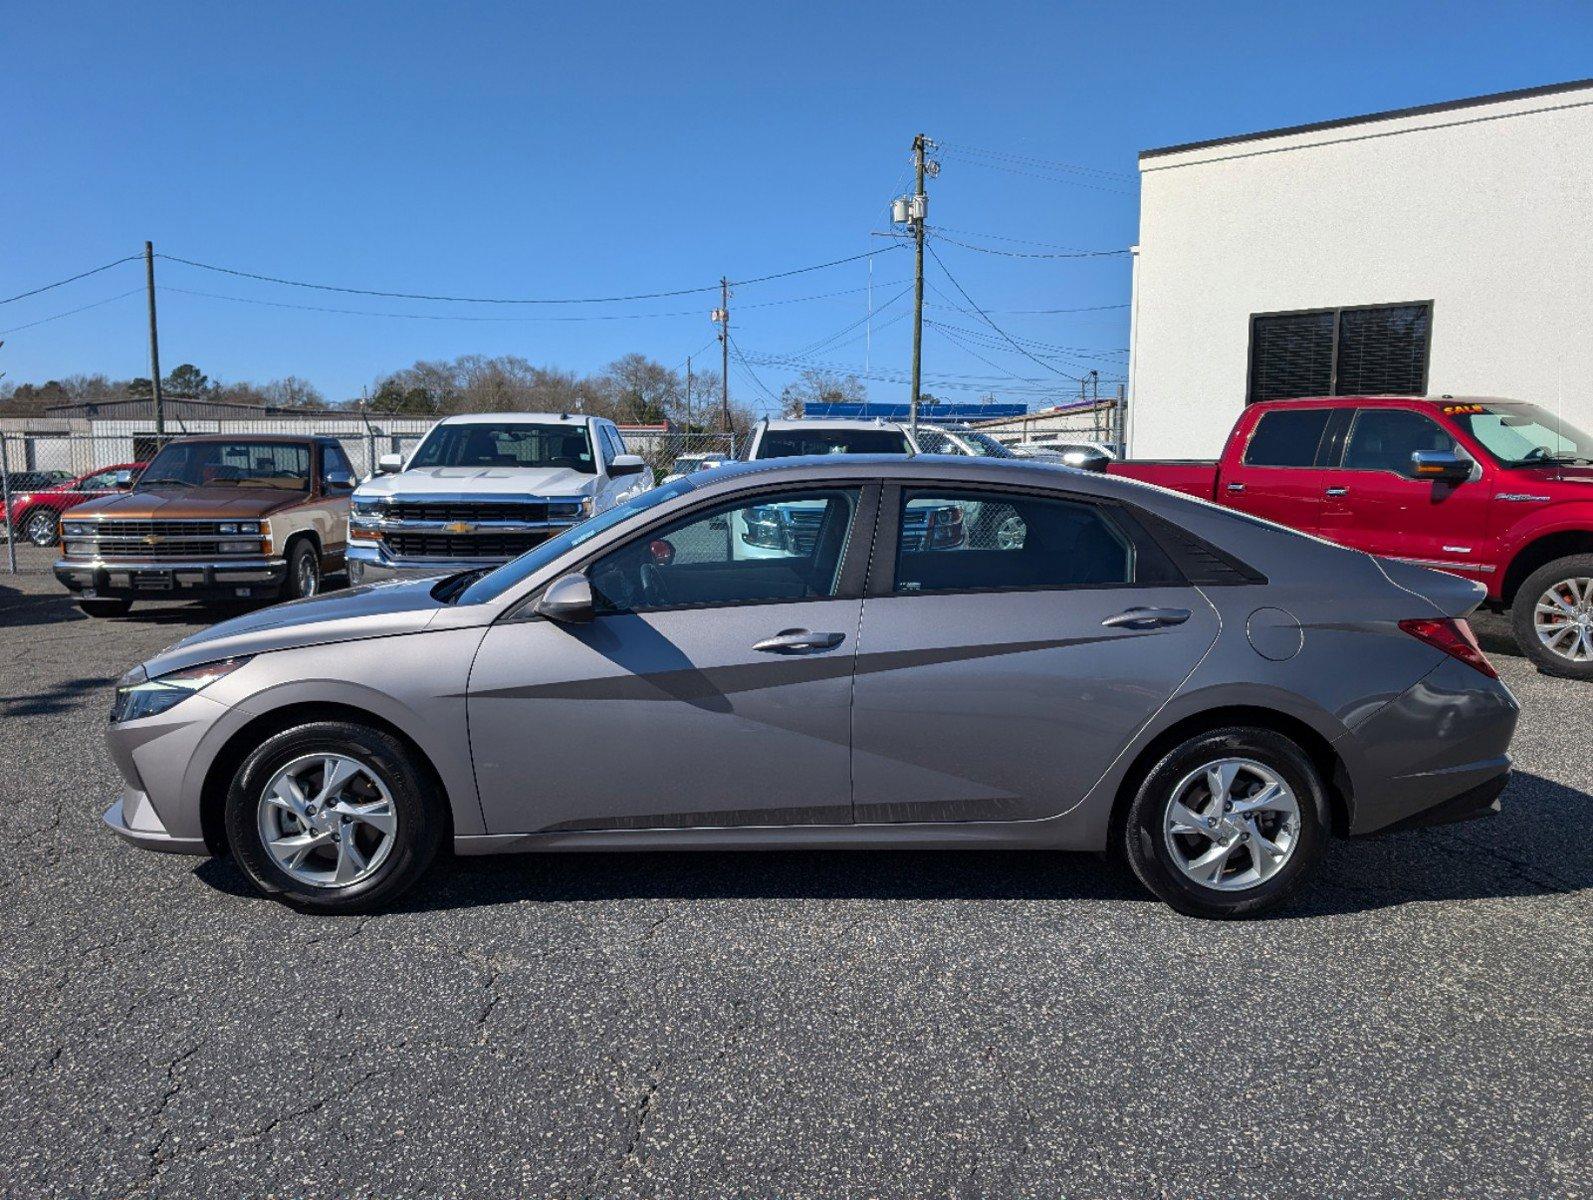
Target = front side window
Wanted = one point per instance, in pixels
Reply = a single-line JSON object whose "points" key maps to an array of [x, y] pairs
{"points": [[1287, 437], [336, 460], [507, 445], [995, 541], [1383, 439], [241, 464], [790, 443], [1523, 435], [785, 546], [104, 481]]}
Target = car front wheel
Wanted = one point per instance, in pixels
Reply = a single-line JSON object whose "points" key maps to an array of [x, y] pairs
{"points": [[40, 527], [1229, 823], [304, 571], [332, 817], [1552, 617]]}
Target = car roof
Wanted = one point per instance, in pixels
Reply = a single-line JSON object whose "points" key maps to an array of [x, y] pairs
{"points": [[517, 418], [785, 423], [1376, 398], [295, 438]]}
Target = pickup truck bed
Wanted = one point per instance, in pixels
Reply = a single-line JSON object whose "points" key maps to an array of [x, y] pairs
{"points": [[1192, 476]]}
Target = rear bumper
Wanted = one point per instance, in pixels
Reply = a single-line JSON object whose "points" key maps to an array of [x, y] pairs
{"points": [[1479, 801], [151, 579]]}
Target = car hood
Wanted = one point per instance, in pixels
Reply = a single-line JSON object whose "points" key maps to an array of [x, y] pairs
{"points": [[481, 481], [173, 503], [1577, 477], [378, 610]]}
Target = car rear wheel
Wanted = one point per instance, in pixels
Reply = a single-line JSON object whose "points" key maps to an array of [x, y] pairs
{"points": [[40, 527], [1228, 823], [332, 817], [1552, 617], [105, 608], [304, 571]]}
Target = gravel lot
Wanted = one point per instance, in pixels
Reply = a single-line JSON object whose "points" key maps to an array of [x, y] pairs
{"points": [[785, 1025]]}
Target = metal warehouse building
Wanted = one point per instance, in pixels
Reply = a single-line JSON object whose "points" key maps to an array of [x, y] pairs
{"points": [[1432, 250]]}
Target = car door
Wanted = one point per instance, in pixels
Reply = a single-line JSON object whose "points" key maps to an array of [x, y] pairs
{"points": [[1374, 501], [999, 675], [709, 690], [1279, 474]]}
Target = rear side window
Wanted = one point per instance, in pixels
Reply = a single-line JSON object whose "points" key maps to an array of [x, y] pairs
{"points": [[1287, 438], [1000, 541]]}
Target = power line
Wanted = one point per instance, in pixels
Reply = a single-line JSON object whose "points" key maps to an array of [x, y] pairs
{"points": [[1034, 160], [1081, 351], [1034, 312], [940, 237], [824, 342], [985, 317], [70, 279], [997, 237], [742, 359], [353, 291], [72, 311], [1094, 187]]}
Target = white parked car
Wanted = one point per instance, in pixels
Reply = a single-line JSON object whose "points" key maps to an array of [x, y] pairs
{"points": [[690, 464], [1087, 456], [484, 488]]}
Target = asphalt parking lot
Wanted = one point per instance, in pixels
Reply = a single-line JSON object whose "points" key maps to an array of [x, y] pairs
{"points": [[779, 1025]]}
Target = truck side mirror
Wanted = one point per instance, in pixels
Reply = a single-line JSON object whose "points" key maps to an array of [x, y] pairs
{"points": [[568, 600], [390, 464], [1086, 458], [339, 481], [626, 464], [1440, 464]]}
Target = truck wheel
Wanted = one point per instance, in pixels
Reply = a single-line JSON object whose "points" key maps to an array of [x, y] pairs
{"points": [[39, 527], [1552, 617], [105, 608], [304, 571]]}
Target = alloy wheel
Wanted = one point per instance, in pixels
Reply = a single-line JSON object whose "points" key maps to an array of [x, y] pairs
{"points": [[327, 820], [1232, 824], [1563, 619], [307, 577], [40, 529]]}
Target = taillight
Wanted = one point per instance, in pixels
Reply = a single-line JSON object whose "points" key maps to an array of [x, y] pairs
{"points": [[1454, 637]]}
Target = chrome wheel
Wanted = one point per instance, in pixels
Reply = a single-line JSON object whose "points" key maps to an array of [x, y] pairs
{"points": [[1010, 534], [1232, 824], [327, 820], [40, 528], [306, 577], [1563, 619]]}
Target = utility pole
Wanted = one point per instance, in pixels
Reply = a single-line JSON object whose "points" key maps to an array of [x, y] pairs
{"points": [[154, 344], [913, 211], [688, 395], [722, 315]]}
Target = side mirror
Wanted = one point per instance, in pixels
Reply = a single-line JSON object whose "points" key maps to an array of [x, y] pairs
{"points": [[390, 464], [124, 479], [1086, 459], [626, 464], [1440, 464], [568, 600], [339, 481]]}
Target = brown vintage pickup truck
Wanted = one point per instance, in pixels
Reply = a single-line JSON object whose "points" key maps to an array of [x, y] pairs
{"points": [[213, 517]]}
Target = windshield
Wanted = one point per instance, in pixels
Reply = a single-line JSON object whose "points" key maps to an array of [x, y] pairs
{"points": [[1522, 435], [501, 579], [789, 443], [987, 446], [507, 445], [241, 464]]}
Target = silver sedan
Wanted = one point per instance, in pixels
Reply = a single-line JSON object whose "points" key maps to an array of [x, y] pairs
{"points": [[835, 653]]}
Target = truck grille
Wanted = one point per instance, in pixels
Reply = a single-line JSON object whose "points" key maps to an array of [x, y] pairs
{"points": [[127, 538], [468, 510], [464, 545]]}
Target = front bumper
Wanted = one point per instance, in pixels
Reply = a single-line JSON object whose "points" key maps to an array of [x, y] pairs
{"points": [[151, 579], [134, 818], [371, 563]]}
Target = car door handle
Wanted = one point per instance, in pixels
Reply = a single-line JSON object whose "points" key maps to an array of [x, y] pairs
{"points": [[1147, 618], [1236, 487], [1338, 491], [800, 641]]}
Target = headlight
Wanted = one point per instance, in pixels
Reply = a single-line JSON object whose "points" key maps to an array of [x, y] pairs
{"points": [[368, 506], [238, 527], [137, 695], [585, 506], [764, 527], [77, 549], [77, 528]]}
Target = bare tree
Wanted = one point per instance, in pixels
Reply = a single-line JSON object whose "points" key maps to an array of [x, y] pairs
{"points": [[815, 386]]}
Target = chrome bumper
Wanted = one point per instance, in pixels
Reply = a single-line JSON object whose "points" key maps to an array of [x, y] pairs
{"points": [[372, 564]]}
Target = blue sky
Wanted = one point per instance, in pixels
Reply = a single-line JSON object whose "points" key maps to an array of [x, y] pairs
{"points": [[515, 150]]}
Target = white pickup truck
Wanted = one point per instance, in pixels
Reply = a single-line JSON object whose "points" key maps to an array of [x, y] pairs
{"points": [[484, 488]]}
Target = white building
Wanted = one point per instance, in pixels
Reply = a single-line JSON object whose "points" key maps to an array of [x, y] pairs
{"points": [[1441, 249]]}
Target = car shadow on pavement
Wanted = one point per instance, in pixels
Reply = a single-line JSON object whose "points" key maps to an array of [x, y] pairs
{"points": [[59, 697], [19, 609], [1521, 853]]}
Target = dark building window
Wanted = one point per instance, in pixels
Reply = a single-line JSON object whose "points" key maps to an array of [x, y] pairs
{"points": [[1369, 351]]}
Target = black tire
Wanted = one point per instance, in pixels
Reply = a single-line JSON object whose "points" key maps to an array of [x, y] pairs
{"points": [[1145, 844], [304, 570], [1523, 615], [419, 819], [105, 608], [41, 526]]}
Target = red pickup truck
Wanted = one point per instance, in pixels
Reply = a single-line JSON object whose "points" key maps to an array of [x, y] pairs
{"points": [[1499, 491]]}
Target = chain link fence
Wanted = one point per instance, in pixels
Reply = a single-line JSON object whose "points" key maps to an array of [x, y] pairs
{"points": [[680, 453]]}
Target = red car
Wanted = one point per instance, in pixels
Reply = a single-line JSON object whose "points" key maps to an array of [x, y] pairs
{"points": [[35, 515], [1498, 491]]}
